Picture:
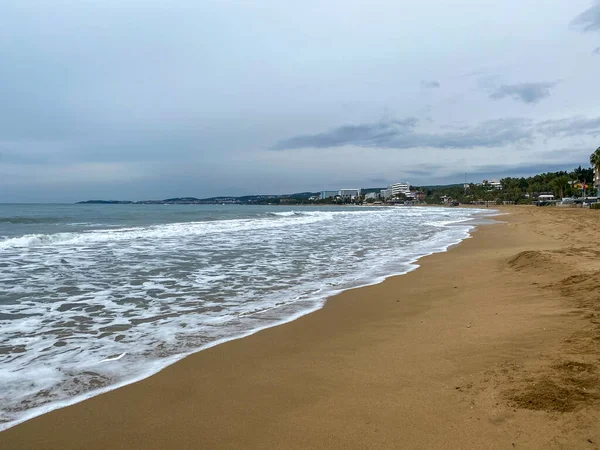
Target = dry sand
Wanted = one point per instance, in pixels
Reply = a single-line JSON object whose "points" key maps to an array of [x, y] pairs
{"points": [[492, 345]]}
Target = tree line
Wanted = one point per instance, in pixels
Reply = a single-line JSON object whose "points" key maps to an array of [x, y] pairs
{"points": [[576, 183]]}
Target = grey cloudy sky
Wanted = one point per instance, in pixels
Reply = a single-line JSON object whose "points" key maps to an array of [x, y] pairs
{"points": [[137, 99]]}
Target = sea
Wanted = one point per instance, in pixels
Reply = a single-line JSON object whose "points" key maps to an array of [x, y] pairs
{"points": [[93, 297]]}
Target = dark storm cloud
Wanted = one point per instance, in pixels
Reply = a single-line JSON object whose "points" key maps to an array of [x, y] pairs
{"points": [[430, 84], [525, 92], [377, 180], [589, 20], [365, 135], [573, 126], [402, 135], [420, 174]]}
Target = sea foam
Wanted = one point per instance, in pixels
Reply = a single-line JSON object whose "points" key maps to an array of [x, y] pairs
{"points": [[88, 311]]}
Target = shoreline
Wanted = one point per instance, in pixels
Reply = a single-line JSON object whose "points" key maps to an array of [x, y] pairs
{"points": [[412, 264], [450, 357]]}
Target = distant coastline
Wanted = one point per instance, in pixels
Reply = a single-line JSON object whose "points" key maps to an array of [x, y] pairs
{"points": [[247, 199], [309, 198], [580, 183]]}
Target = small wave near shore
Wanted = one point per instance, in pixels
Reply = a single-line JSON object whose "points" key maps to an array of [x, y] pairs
{"points": [[90, 310]]}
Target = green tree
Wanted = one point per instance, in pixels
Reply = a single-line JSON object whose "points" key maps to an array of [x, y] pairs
{"points": [[583, 175], [535, 188], [595, 159], [560, 185], [595, 162]]}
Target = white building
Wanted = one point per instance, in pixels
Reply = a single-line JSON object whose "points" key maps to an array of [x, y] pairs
{"points": [[328, 194], [372, 196], [385, 193], [349, 194], [495, 184], [545, 197], [396, 189]]}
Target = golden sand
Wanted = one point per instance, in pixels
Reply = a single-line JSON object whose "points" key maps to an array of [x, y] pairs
{"points": [[492, 345]]}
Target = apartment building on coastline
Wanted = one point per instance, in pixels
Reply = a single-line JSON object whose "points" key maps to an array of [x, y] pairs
{"points": [[349, 194], [493, 184], [344, 194], [328, 194], [396, 189], [395, 192]]}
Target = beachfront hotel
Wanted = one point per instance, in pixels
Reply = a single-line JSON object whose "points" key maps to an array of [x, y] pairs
{"points": [[344, 194], [349, 194], [396, 189], [328, 194]]}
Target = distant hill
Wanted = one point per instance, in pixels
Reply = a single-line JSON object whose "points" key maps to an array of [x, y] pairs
{"points": [[441, 186], [105, 202], [181, 199], [245, 199]]}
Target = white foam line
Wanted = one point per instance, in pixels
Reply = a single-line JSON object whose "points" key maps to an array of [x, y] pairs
{"points": [[157, 366], [116, 358]]}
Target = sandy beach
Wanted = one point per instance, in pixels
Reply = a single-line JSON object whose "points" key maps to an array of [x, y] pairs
{"points": [[491, 345]]}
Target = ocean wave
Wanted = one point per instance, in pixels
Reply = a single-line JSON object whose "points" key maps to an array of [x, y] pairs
{"points": [[168, 231], [21, 220], [288, 213], [110, 307]]}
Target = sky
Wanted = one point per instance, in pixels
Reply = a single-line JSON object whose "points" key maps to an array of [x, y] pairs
{"points": [[144, 99]]}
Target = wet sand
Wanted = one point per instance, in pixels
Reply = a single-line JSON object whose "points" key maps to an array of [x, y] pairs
{"points": [[492, 345]]}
